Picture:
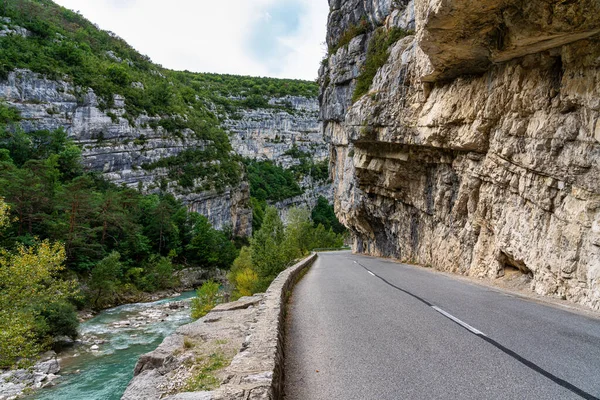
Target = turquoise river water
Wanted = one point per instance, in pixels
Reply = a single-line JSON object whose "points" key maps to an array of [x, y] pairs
{"points": [[105, 373]]}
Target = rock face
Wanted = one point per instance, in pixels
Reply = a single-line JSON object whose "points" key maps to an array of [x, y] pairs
{"points": [[119, 149], [111, 145], [267, 134], [13, 383], [477, 148]]}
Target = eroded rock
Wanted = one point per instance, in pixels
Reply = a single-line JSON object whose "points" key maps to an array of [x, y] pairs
{"points": [[475, 150]]}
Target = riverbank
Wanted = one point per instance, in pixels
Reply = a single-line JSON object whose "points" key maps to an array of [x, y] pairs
{"points": [[189, 279], [14, 383], [99, 364]]}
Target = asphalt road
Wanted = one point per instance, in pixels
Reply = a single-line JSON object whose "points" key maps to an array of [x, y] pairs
{"points": [[367, 328]]}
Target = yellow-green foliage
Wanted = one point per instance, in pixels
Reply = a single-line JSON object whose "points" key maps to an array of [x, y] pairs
{"points": [[4, 209], [275, 247], [242, 276], [207, 297], [30, 283]]}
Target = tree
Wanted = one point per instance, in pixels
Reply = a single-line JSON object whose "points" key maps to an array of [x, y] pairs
{"points": [[298, 237], [4, 213], [105, 279], [323, 214], [77, 228], [242, 274], [268, 256], [207, 297], [208, 246], [30, 285]]}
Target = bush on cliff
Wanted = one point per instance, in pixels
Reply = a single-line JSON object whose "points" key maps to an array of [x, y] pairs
{"points": [[377, 55]]}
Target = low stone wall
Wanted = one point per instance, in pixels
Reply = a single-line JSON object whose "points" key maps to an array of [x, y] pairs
{"points": [[258, 370], [253, 330]]}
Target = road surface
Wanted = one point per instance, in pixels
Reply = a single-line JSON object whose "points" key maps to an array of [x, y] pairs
{"points": [[367, 328]]}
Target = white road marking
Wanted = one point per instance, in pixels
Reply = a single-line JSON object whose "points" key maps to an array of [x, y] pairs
{"points": [[370, 272], [458, 321]]}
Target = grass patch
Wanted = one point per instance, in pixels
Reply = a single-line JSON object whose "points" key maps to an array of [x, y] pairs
{"points": [[377, 56], [203, 378], [188, 343]]}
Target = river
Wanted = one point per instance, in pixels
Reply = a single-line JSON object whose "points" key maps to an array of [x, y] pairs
{"points": [[121, 335]]}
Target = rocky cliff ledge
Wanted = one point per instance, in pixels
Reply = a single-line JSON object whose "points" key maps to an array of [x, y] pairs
{"points": [[267, 134], [476, 146]]}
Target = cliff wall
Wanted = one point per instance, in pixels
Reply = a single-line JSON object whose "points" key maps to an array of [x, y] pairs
{"points": [[476, 148], [121, 149], [117, 148], [269, 134]]}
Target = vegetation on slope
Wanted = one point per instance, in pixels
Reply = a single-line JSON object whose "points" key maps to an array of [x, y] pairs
{"points": [[377, 55], [61, 225], [353, 31], [63, 45]]}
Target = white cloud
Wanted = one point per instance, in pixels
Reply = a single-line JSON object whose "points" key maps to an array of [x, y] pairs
{"points": [[212, 36]]}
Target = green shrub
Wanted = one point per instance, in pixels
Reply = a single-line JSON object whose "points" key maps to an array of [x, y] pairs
{"points": [[105, 279], [118, 75], [377, 56], [8, 115], [242, 275], [269, 181], [323, 214], [353, 31], [207, 297], [57, 319]]}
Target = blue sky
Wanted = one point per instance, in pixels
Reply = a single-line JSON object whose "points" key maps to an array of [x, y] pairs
{"points": [[280, 38]]}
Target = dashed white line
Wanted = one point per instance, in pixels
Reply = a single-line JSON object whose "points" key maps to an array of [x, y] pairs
{"points": [[370, 272], [458, 321]]}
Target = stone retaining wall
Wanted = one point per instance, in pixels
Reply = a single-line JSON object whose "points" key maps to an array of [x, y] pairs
{"points": [[251, 330], [258, 370]]}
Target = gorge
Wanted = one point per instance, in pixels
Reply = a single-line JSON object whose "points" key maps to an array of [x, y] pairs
{"points": [[462, 136]]}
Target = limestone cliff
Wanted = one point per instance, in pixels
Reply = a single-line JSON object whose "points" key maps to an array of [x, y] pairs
{"points": [[269, 134], [111, 144], [117, 148], [476, 148]]}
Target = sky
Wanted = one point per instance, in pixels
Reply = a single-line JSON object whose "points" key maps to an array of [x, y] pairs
{"points": [[277, 38]]}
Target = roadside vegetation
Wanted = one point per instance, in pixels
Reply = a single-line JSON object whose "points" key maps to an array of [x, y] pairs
{"points": [[276, 246], [273, 248]]}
